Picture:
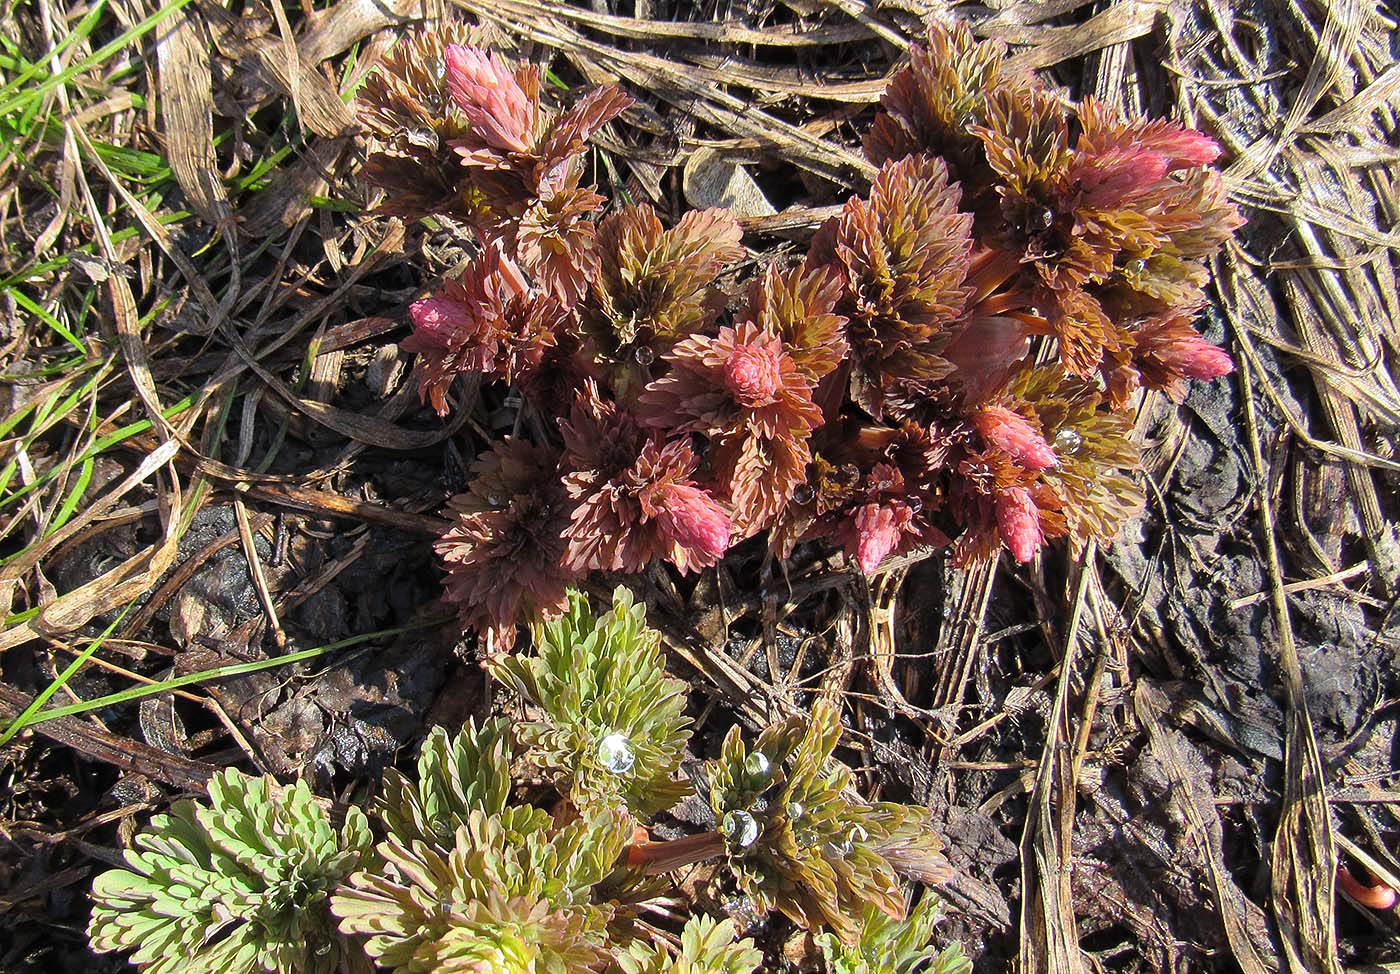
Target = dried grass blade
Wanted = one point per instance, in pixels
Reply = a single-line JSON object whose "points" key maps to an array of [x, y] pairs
{"points": [[283, 205], [185, 90], [682, 86], [723, 32], [329, 32], [120, 752], [318, 103], [325, 504], [158, 457], [1049, 932], [960, 639], [1120, 23], [1305, 850], [1253, 953], [1334, 49]]}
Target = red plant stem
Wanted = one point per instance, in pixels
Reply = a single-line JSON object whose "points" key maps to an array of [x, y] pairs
{"points": [[654, 858], [991, 268], [1001, 303], [1378, 897], [1037, 324]]}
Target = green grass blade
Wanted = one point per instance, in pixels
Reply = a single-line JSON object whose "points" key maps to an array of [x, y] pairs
{"points": [[30, 717], [28, 95], [27, 304], [27, 715]]}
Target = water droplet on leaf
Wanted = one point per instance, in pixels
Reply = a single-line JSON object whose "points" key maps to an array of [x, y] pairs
{"points": [[740, 828], [1136, 266], [615, 754], [847, 843], [795, 811], [1068, 441], [1045, 218], [802, 495], [756, 765], [644, 355]]}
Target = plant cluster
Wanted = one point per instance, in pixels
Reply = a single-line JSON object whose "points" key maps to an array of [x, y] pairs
{"points": [[241, 884], [470, 878], [798, 842], [949, 364]]}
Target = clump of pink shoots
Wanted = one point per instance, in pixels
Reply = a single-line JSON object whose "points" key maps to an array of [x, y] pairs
{"points": [[883, 394]]}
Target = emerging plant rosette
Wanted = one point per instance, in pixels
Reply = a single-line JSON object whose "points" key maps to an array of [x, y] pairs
{"points": [[950, 364]]}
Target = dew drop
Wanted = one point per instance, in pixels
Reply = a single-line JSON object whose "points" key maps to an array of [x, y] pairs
{"points": [[495, 500], [915, 504], [803, 495], [323, 948], [1068, 441], [1136, 266], [644, 355], [615, 754], [848, 842], [756, 765], [795, 811], [1045, 217], [740, 828]]}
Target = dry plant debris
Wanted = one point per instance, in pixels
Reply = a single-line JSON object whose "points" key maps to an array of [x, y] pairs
{"points": [[218, 490]]}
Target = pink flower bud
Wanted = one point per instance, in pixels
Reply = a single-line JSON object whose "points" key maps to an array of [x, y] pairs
{"points": [[753, 373], [1196, 358], [878, 530], [440, 322], [1018, 523], [693, 519], [1011, 432], [1187, 147], [486, 90]]}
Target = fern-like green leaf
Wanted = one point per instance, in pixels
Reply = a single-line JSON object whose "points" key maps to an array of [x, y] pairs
{"points": [[511, 895], [707, 946], [796, 839], [236, 886], [467, 773], [610, 727], [889, 946]]}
